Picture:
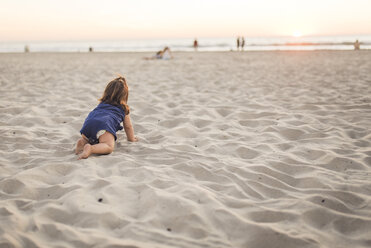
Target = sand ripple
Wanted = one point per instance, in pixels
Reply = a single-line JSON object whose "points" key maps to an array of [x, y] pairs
{"points": [[261, 149]]}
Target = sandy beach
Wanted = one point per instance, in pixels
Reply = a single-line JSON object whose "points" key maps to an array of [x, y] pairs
{"points": [[253, 149]]}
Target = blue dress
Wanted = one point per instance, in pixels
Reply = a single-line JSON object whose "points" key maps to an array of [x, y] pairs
{"points": [[104, 117]]}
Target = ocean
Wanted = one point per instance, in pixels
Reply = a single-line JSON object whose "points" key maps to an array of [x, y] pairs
{"points": [[186, 44]]}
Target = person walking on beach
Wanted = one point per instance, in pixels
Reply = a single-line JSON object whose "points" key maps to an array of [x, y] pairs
{"points": [[195, 44], [98, 133], [242, 43], [238, 43]]}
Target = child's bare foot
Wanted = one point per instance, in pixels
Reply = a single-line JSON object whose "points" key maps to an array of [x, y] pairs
{"points": [[86, 152], [80, 145]]}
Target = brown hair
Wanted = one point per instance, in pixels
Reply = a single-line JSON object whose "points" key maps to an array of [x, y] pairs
{"points": [[117, 93]]}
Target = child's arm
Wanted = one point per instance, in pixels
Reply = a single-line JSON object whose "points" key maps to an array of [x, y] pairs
{"points": [[129, 130]]}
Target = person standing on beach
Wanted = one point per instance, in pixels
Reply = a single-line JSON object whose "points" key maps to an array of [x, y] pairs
{"points": [[238, 43], [357, 45], [242, 43], [98, 134], [195, 44]]}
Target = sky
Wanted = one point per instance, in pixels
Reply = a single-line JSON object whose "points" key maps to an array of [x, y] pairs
{"points": [[31, 20]]}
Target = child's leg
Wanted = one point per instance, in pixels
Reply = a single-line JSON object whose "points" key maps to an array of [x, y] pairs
{"points": [[80, 144], [105, 146]]}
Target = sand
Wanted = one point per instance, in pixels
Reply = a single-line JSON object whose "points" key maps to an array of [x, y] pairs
{"points": [[254, 149]]}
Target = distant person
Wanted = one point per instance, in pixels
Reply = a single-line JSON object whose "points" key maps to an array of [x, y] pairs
{"points": [[158, 55], [98, 133], [238, 43], [242, 43], [357, 45], [195, 44], [26, 49], [162, 54], [91, 49], [166, 54]]}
